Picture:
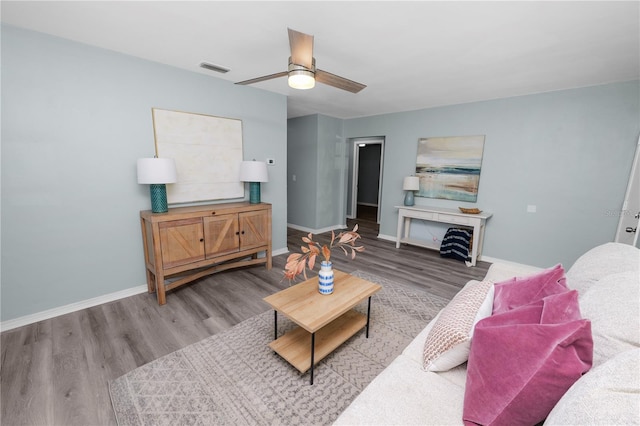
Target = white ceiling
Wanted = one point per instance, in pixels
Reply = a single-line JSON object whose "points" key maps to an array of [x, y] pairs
{"points": [[411, 55]]}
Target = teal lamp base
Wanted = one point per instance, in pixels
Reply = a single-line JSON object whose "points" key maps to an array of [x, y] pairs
{"points": [[159, 198], [408, 198], [254, 192]]}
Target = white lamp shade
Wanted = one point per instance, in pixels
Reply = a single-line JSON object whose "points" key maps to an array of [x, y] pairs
{"points": [[253, 171], [411, 183], [157, 170]]}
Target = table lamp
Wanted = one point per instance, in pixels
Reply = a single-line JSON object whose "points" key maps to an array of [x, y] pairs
{"points": [[410, 184], [157, 172], [254, 172]]}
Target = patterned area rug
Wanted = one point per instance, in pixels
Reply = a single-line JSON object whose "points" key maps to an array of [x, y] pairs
{"points": [[234, 378]]}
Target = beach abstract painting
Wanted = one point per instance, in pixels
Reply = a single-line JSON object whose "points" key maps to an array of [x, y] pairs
{"points": [[449, 167]]}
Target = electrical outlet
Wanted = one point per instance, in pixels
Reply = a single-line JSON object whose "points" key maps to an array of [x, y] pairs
{"points": [[271, 162], [532, 208]]}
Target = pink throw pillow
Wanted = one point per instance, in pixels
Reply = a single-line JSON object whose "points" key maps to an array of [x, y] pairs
{"points": [[523, 361], [520, 291]]}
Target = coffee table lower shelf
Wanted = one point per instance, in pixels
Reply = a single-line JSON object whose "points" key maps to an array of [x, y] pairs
{"points": [[295, 345]]}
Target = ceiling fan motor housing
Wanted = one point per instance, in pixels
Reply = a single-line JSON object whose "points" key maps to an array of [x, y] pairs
{"points": [[296, 67]]}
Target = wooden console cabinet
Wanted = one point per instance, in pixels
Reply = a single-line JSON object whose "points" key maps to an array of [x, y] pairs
{"points": [[188, 243]]}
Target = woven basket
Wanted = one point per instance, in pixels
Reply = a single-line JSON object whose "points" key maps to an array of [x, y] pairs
{"points": [[470, 211]]}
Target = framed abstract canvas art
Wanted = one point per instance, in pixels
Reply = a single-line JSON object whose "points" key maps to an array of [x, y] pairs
{"points": [[449, 167], [207, 151]]}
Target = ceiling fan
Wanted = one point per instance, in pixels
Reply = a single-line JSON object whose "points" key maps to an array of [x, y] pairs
{"points": [[302, 71]]}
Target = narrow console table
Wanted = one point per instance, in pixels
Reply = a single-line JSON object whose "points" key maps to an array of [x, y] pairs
{"points": [[188, 243], [436, 214]]}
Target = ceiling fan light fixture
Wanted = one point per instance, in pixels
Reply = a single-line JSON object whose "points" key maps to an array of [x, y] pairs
{"points": [[302, 79]]}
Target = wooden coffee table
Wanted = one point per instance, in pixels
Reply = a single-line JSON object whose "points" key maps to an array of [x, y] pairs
{"points": [[324, 321]]}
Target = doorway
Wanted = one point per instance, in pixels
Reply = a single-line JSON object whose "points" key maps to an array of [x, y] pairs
{"points": [[366, 178]]}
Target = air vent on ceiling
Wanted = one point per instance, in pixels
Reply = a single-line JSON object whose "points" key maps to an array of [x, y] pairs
{"points": [[212, 67]]}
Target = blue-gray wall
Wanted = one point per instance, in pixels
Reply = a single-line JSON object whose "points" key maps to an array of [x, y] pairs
{"points": [[567, 152], [74, 120], [317, 158], [332, 161], [302, 170]]}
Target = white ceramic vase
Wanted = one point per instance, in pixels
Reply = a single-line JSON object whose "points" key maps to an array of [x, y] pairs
{"points": [[325, 278]]}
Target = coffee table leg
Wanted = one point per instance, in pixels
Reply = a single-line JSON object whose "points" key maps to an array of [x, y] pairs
{"points": [[313, 344], [368, 314], [275, 324]]}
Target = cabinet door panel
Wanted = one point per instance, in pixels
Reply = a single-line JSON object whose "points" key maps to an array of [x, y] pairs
{"points": [[181, 242], [254, 229], [221, 235]]}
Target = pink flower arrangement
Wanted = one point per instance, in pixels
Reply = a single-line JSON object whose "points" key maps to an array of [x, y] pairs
{"points": [[297, 263]]}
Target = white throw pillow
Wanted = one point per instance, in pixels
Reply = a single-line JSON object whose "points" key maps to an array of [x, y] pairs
{"points": [[448, 343]]}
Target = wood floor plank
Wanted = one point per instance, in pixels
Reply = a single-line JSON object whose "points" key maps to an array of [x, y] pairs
{"points": [[26, 375], [73, 402], [104, 360], [56, 372]]}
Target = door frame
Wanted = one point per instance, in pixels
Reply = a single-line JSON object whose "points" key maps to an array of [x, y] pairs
{"points": [[630, 213], [357, 142]]}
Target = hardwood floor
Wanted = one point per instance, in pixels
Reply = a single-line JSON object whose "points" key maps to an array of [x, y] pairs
{"points": [[56, 372]]}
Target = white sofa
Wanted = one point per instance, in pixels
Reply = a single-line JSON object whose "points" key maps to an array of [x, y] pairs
{"points": [[607, 279]]}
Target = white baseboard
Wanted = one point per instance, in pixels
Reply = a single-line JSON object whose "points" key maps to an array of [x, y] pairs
{"points": [[279, 252], [77, 306], [84, 304], [387, 237], [506, 262], [316, 231], [50, 313]]}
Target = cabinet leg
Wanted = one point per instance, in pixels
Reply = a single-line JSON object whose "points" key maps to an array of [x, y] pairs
{"points": [[160, 289], [474, 245], [399, 230], [151, 281], [407, 227], [162, 298]]}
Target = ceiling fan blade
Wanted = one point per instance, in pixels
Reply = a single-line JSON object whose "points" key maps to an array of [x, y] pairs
{"points": [[263, 78], [301, 48], [339, 82]]}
